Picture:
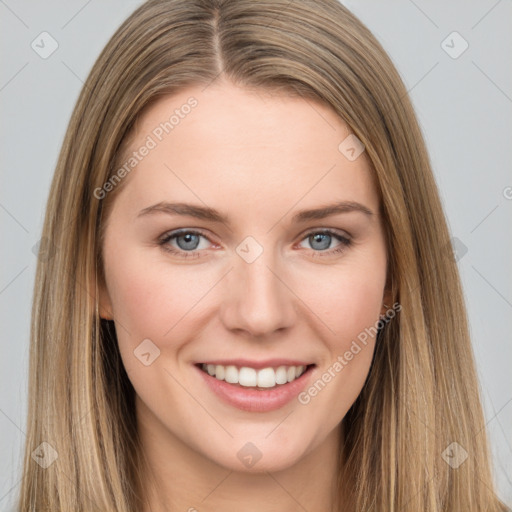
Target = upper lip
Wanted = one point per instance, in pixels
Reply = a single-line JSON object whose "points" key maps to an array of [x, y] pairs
{"points": [[267, 363]]}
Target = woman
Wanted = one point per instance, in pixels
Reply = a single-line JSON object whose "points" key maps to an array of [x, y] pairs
{"points": [[305, 346]]}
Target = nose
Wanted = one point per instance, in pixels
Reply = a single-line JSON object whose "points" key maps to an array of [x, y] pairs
{"points": [[257, 299]]}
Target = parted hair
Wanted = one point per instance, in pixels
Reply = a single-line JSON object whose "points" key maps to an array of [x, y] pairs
{"points": [[421, 394]]}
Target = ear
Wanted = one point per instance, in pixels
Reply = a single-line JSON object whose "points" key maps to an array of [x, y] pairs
{"points": [[104, 302], [387, 298]]}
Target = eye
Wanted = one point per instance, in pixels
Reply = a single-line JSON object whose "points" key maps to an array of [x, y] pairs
{"points": [[321, 242], [184, 243]]}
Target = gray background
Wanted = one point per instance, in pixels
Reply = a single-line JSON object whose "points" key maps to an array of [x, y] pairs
{"points": [[464, 106]]}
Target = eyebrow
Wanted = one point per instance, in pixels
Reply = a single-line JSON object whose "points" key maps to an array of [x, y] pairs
{"points": [[211, 214]]}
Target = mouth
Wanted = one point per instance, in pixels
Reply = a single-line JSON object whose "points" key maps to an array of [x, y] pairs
{"points": [[253, 378], [256, 387]]}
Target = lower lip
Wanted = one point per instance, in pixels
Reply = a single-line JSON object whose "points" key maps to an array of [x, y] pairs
{"points": [[255, 400]]}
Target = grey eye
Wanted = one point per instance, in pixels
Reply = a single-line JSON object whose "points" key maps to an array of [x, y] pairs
{"points": [[190, 241], [320, 241]]}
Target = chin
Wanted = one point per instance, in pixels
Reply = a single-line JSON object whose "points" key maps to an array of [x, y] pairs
{"points": [[261, 455]]}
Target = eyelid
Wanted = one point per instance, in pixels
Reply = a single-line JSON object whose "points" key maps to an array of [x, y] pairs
{"points": [[173, 233], [339, 232]]}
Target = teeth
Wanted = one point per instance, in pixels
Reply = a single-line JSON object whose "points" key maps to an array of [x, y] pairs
{"points": [[250, 377], [281, 375], [220, 372], [247, 377], [267, 378], [231, 374]]}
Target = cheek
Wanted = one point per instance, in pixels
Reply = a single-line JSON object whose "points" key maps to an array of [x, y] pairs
{"points": [[352, 311], [347, 300], [152, 299]]}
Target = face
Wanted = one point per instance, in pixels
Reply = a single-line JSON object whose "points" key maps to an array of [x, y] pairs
{"points": [[245, 262]]}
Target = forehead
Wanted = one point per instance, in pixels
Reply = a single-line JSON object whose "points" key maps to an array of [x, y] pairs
{"points": [[253, 147], [225, 115]]}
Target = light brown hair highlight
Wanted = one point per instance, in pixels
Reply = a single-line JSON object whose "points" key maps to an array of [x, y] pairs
{"points": [[421, 393]]}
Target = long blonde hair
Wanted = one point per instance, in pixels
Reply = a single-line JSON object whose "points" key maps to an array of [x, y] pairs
{"points": [[421, 394]]}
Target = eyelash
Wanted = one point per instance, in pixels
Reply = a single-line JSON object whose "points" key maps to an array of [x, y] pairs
{"points": [[345, 242]]}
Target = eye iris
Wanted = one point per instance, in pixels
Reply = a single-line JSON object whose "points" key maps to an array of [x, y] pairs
{"points": [[191, 241], [320, 237]]}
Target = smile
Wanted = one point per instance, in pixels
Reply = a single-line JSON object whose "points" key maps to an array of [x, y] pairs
{"points": [[253, 378], [263, 386]]}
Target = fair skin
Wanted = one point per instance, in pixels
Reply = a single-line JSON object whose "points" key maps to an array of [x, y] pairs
{"points": [[258, 159]]}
